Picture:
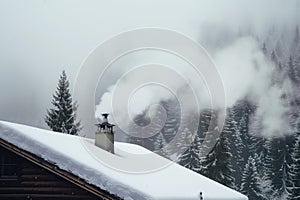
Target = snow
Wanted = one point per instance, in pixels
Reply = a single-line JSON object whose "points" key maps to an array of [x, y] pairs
{"points": [[132, 173]]}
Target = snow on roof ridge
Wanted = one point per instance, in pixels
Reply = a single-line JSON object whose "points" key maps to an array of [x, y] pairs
{"points": [[85, 173], [171, 182]]}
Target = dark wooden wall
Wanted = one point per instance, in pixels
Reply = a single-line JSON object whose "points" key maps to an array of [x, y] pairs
{"points": [[26, 180]]}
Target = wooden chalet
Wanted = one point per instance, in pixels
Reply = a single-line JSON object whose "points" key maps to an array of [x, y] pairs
{"points": [[41, 164], [26, 176]]}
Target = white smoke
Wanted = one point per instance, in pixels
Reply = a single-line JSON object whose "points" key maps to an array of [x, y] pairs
{"points": [[243, 68], [140, 101], [145, 96], [246, 73]]}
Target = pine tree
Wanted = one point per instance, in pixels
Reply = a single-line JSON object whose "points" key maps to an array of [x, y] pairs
{"points": [[183, 141], [277, 163], [296, 63], [241, 115], [237, 147], [159, 145], [281, 48], [255, 145], [190, 158], [159, 142], [242, 111], [267, 166], [172, 123], [204, 122], [62, 118], [264, 49], [217, 164], [295, 43], [294, 60], [292, 71], [265, 185], [208, 131], [294, 173], [274, 58], [251, 182]]}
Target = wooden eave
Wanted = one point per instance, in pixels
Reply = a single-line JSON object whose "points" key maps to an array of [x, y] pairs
{"points": [[62, 173]]}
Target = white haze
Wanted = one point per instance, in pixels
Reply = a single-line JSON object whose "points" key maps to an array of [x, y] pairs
{"points": [[246, 74], [150, 94], [41, 38]]}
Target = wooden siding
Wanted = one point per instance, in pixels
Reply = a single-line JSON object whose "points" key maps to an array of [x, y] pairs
{"points": [[33, 182]]}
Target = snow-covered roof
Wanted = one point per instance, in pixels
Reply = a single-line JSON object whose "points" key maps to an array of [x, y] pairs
{"points": [[118, 173]]}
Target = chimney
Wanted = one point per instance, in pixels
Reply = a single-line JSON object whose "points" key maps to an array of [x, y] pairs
{"points": [[105, 136]]}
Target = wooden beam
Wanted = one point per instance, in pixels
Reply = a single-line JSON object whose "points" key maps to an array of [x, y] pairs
{"points": [[54, 169]]}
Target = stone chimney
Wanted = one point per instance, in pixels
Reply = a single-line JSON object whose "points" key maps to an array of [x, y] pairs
{"points": [[105, 136]]}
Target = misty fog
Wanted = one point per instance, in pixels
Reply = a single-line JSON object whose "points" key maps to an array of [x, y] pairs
{"points": [[41, 38]]}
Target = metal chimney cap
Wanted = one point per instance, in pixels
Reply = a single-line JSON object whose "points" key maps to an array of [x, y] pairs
{"points": [[105, 115]]}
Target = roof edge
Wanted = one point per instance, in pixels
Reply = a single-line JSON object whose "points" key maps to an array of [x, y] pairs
{"points": [[54, 169]]}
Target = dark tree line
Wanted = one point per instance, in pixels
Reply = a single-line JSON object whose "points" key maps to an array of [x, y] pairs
{"points": [[259, 167]]}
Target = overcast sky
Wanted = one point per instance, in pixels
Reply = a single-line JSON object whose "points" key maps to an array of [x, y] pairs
{"points": [[40, 38]]}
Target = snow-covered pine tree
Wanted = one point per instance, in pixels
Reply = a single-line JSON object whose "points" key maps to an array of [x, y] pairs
{"points": [[217, 164], [241, 114], [159, 145], [237, 146], [281, 49], [62, 118], [292, 71], [294, 59], [204, 122], [207, 123], [172, 123], [296, 63], [242, 111], [159, 142], [290, 148], [277, 164], [264, 172], [294, 173], [183, 140], [208, 131], [190, 158], [251, 186], [255, 145], [265, 185], [295, 43]]}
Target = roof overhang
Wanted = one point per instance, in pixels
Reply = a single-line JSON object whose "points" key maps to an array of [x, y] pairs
{"points": [[54, 169]]}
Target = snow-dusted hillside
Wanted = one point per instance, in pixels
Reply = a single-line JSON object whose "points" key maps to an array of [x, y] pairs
{"points": [[81, 157]]}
